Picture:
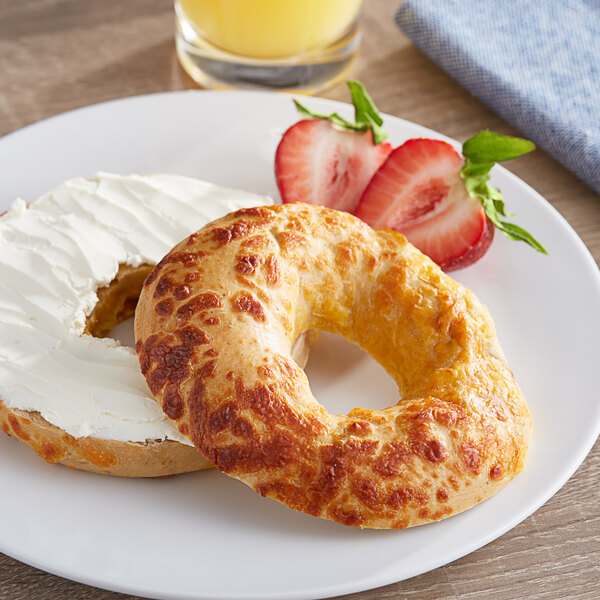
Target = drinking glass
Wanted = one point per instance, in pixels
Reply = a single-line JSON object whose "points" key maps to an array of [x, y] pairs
{"points": [[296, 45]]}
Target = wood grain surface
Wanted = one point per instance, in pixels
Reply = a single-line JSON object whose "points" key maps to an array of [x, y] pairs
{"points": [[56, 55]]}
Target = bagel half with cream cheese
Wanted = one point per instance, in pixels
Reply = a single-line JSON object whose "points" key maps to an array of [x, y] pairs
{"points": [[72, 265]]}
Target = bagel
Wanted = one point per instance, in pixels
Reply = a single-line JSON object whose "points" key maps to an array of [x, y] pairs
{"points": [[217, 358], [71, 266]]}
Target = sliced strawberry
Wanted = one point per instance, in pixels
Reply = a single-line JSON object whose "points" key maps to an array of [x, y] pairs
{"points": [[318, 163], [419, 192]]}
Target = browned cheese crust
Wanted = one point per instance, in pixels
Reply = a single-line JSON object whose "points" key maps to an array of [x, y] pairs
{"points": [[214, 328]]}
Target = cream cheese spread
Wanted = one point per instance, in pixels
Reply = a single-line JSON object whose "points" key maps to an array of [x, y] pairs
{"points": [[54, 255]]}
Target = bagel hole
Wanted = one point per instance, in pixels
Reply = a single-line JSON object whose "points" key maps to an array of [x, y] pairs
{"points": [[113, 314], [123, 333], [343, 376]]}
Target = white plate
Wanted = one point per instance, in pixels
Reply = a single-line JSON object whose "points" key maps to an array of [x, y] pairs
{"points": [[205, 536]]}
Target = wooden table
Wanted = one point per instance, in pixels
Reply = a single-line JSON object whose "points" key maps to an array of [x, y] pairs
{"points": [[56, 55]]}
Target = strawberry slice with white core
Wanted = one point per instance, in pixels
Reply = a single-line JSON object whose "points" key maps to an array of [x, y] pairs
{"points": [[445, 206], [418, 191], [319, 163]]}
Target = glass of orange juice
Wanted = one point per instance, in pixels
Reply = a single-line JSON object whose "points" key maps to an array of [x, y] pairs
{"points": [[299, 45]]}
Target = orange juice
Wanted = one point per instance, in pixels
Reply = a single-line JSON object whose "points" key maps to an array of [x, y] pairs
{"points": [[270, 29]]}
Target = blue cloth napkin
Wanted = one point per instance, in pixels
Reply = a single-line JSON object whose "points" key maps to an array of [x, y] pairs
{"points": [[535, 62]]}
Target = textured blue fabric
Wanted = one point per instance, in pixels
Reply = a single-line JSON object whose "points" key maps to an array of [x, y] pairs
{"points": [[535, 62]]}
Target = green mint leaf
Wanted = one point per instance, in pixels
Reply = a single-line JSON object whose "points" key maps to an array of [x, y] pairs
{"points": [[489, 147], [365, 110], [366, 115], [333, 117], [510, 230], [475, 170], [498, 201], [476, 182], [514, 232], [378, 134], [476, 178], [480, 152]]}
